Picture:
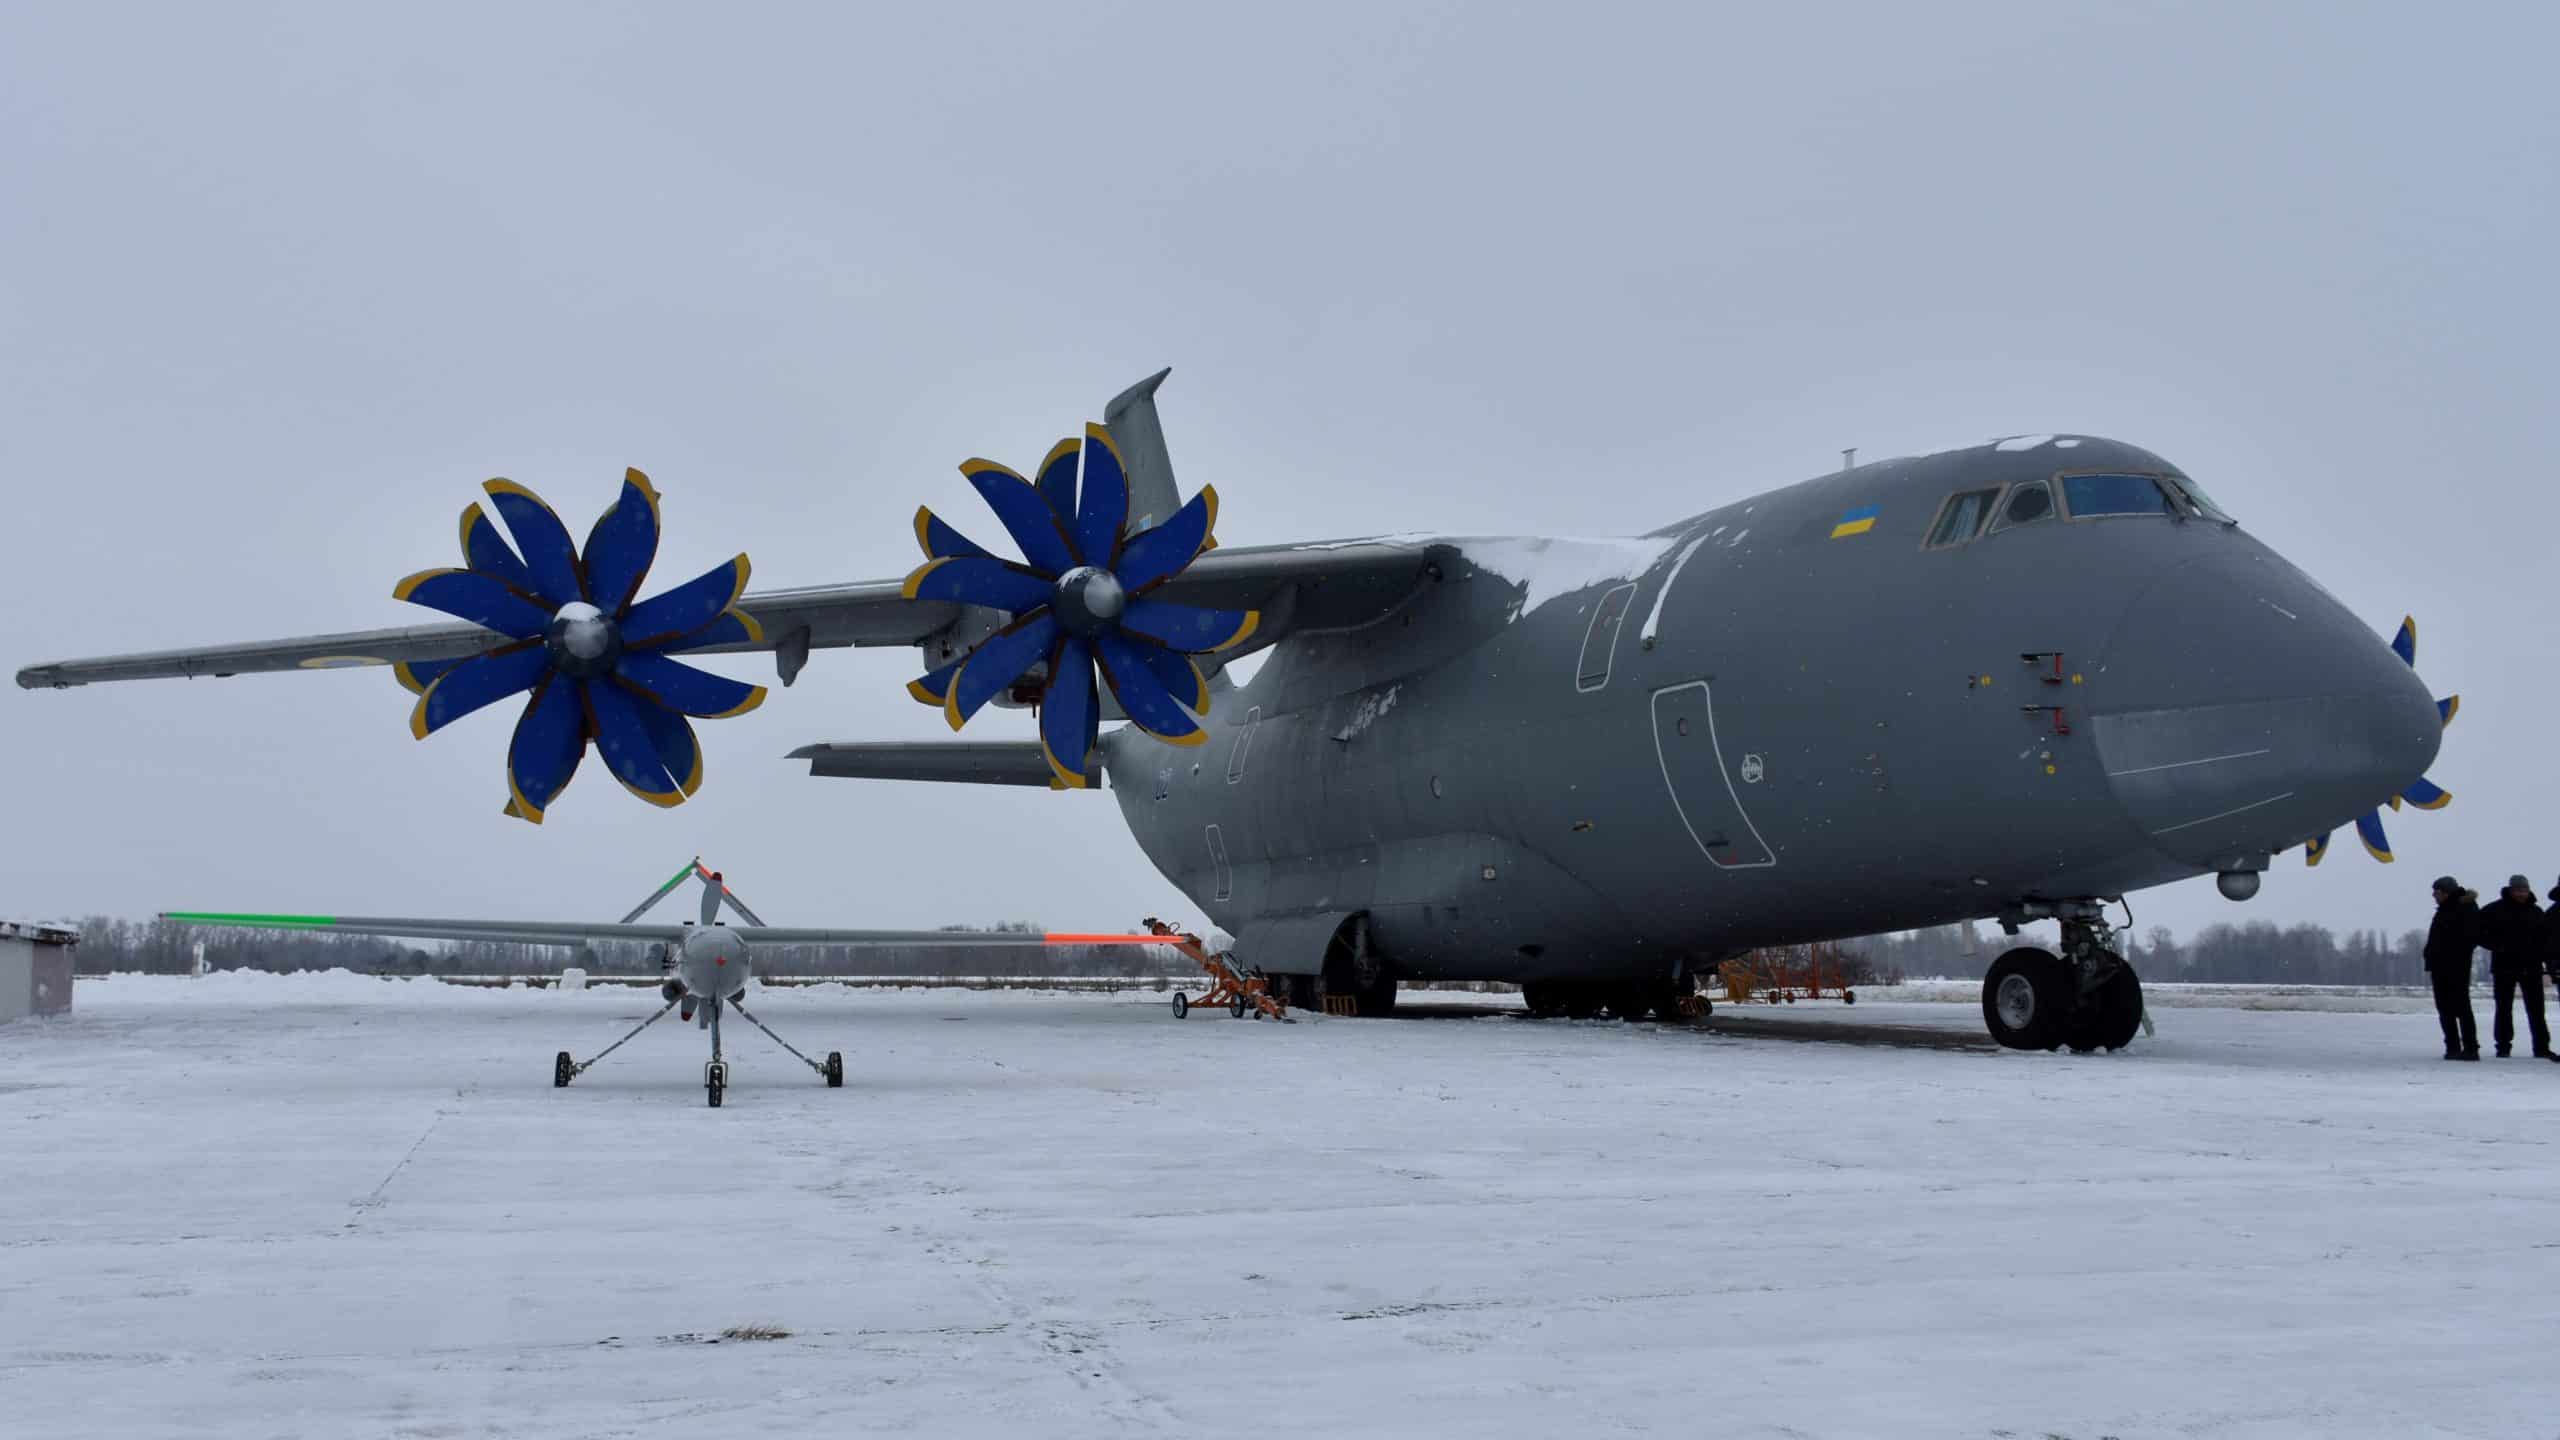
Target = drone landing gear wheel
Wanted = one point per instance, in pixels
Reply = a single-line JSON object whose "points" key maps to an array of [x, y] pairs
{"points": [[563, 1070], [715, 1081], [835, 1069]]}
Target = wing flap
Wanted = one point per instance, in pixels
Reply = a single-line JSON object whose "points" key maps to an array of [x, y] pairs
{"points": [[950, 762]]}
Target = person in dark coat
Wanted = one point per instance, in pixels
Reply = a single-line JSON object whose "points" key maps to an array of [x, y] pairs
{"points": [[2451, 938], [2514, 931]]}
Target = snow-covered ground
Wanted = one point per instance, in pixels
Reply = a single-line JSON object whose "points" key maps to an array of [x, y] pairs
{"points": [[333, 1206]]}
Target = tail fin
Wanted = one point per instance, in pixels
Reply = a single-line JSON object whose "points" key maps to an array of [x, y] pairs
{"points": [[1140, 435]]}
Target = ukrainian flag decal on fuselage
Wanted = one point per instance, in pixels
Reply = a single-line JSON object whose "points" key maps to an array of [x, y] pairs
{"points": [[1856, 522]]}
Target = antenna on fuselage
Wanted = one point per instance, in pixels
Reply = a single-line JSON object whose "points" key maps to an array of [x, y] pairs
{"points": [[1849, 458]]}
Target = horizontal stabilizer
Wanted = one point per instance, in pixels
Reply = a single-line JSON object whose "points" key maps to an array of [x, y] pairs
{"points": [[951, 762]]}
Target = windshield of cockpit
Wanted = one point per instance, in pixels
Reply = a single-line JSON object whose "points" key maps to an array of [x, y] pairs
{"points": [[2109, 493]]}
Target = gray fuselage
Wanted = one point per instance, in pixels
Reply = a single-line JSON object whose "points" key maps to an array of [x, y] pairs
{"points": [[1769, 724]]}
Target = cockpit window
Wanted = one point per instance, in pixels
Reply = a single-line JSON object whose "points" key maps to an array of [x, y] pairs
{"points": [[2193, 495], [2092, 495], [1961, 518], [2027, 504]]}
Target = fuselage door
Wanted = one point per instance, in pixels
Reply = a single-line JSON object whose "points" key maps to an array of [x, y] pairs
{"points": [[1705, 782]]}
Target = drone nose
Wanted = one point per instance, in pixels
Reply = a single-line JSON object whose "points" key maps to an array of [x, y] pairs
{"points": [[2248, 712]]}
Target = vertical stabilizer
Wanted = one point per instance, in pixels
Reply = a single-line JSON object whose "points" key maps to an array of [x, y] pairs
{"points": [[1140, 435]]}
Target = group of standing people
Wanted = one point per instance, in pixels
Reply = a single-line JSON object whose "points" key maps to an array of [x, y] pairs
{"points": [[2522, 939]]}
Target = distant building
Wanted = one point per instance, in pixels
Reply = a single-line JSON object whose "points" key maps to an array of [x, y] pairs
{"points": [[35, 969]]}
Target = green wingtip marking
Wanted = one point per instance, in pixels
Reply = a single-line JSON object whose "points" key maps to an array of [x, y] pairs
{"points": [[263, 922]]}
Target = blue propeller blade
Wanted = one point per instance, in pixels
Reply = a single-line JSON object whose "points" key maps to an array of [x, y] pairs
{"points": [[2427, 795], [487, 551], [2447, 708], [2317, 850], [1191, 629], [679, 686], [671, 615], [671, 736], [2369, 830], [2405, 644], [971, 580], [1102, 509], [481, 599], [550, 740], [480, 681], [1156, 555], [544, 542], [1172, 669], [1142, 696], [623, 738], [416, 675], [729, 627], [998, 661], [940, 542], [934, 686], [1068, 715], [1057, 477], [1026, 517], [620, 547]]}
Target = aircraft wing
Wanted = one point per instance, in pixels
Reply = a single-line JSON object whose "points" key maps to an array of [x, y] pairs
{"points": [[1326, 585], [575, 932]]}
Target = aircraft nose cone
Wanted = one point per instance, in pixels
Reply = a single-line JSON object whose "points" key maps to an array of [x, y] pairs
{"points": [[2246, 711]]}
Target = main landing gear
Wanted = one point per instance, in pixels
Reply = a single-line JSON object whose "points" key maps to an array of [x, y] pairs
{"points": [[2087, 997], [715, 1072]]}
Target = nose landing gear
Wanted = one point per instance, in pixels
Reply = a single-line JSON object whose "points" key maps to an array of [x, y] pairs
{"points": [[2087, 997]]}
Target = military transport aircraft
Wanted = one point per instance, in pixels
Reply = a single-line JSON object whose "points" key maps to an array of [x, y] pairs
{"points": [[706, 966], [2017, 681]]}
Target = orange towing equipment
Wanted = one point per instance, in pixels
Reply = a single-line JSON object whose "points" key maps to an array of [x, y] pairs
{"points": [[1236, 991]]}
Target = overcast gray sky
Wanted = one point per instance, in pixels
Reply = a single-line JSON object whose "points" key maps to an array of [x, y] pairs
{"points": [[279, 287]]}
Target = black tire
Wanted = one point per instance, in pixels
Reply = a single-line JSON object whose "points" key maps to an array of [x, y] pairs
{"points": [[2027, 1000], [563, 1070], [1632, 1005], [713, 1090], [2113, 1015], [1582, 1002], [1542, 998], [835, 1069], [1379, 999], [1181, 1004], [1848, 997], [1237, 1005]]}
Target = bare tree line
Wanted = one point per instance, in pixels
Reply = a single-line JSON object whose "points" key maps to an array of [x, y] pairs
{"points": [[2258, 952], [162, 947]]}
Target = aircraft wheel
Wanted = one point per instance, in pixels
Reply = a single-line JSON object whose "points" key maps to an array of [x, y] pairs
{"points": [[1582, 1002], [563, 1070], [1237, 1005], [835, 1069], [2027, 999], [1631, 1004], [1541, 998], [2113, 1015], [715, 1081], [1848, 997], [1181, 1004]]}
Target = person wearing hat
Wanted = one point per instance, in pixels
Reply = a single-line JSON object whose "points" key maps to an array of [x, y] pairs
{"points": [[2512, 931], [2451, 938]]}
